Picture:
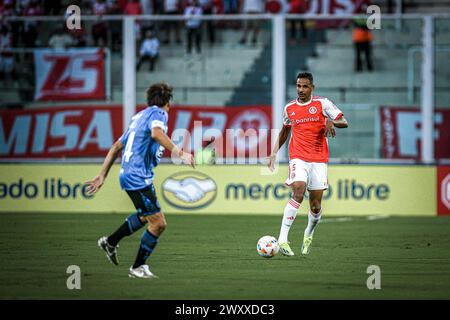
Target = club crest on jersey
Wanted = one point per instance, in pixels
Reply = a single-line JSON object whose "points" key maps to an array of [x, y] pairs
{"points": [[313, 110]]}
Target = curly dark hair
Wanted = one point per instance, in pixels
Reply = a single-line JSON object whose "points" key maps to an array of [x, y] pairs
{"points": [[159, 94], [306, 75]]}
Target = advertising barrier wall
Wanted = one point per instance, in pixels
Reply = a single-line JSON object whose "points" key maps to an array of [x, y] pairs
{"points": [[89, 131], [443, 188], [401, 133], [232, 189]]}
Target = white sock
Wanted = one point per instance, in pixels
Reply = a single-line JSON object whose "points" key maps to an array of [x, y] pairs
{"points": [[313, 220], [290, 212]]}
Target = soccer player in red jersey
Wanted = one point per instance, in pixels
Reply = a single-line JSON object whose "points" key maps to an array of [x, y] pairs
{"points": [[310, 120]]}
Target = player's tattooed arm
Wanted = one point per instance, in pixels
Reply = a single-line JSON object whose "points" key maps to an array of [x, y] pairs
{"points": [[282, 137], [338, 123], [160, 137], [96, 183]]}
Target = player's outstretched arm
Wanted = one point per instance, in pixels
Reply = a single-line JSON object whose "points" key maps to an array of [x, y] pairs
{"points": [[282, 137], [96, 183], [339, 123], [160, 137]]}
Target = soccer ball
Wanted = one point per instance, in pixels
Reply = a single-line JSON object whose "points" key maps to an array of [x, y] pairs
{"points": [[267, 247]]}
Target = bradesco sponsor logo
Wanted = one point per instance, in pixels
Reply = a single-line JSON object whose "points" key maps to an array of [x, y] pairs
{"points": [[189, 190], [50, 188], [343, 190]]}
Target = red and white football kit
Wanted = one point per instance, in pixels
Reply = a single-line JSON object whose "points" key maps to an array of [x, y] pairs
{"points": [[308, 146]]}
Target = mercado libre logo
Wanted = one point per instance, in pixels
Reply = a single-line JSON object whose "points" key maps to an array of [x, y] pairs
{"points": [[189, 190]]}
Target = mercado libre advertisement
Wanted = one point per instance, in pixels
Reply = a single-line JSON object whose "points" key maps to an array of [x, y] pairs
{"points": [[234, 189]]}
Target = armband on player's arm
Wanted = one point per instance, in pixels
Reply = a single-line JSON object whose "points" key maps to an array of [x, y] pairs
{"points": [[162, 138]]}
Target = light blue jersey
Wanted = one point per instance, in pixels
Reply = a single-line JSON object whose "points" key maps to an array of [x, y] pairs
{"points": [[141, 153]]}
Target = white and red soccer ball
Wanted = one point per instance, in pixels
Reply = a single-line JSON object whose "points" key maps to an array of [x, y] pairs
{"points": [[267, 247]]}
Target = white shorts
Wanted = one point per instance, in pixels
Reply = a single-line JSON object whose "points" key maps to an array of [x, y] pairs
{"points": [[313, 173]]}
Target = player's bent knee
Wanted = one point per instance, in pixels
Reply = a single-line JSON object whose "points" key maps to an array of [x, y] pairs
{"points": [[297, 195], [315, 207], [143, 219], [298, 192], [162, 225]]}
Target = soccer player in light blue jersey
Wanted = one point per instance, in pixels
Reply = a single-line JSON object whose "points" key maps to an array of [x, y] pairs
{"points": [[142, 146]]}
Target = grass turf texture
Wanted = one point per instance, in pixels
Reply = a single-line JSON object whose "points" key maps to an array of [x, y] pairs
{"points": [[214, 257]]}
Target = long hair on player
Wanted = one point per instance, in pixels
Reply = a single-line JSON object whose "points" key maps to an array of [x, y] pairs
{"points": [[159, 94]]}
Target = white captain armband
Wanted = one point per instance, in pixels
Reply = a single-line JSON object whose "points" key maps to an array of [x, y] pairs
{"points": [[158, 124]]}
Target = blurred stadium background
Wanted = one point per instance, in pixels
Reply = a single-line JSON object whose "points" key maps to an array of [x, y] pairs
{"points": [[66, 95]]}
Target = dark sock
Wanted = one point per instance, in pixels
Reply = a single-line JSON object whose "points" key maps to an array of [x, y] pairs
{"points": [[120, 233], [148, 244], [130, 226]]}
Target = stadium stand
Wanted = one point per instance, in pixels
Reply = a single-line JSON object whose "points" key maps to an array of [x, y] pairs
{"points": [[389, 81], [206, 79]]}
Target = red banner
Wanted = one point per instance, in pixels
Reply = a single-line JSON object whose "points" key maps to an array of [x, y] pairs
{"points": [[89, 131], [443, 195], [337, 7], [74, 74], [237, 131], [401, 133]]}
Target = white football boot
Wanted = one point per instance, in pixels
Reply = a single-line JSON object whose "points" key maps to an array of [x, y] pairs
{"points": [[142, 272]]}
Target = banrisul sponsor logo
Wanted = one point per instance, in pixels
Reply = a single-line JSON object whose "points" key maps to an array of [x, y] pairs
{"points": [[189, 190]]}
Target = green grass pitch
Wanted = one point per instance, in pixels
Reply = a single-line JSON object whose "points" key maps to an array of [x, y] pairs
{"points": [[214, 257]]}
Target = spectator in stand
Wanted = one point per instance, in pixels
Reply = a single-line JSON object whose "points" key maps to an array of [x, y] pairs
{"points": [[191, 12], [78, 37], [147, 9], [218, 7], [30, 28], [230, 6], [297, 7], [60, 39], [115, 26], [147, 6], [208, 9], [7, 10], [100, 28], [149, 50], [133, 7], [172, 7], [158, 6], [52, 7], [6, 55], [362, 41], [252, 7]]}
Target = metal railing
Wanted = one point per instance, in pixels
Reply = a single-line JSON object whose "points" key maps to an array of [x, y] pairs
{"points": [[411, 72]]}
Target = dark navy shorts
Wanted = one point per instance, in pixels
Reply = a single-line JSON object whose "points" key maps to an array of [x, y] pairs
{"points": [[145, 201]]}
